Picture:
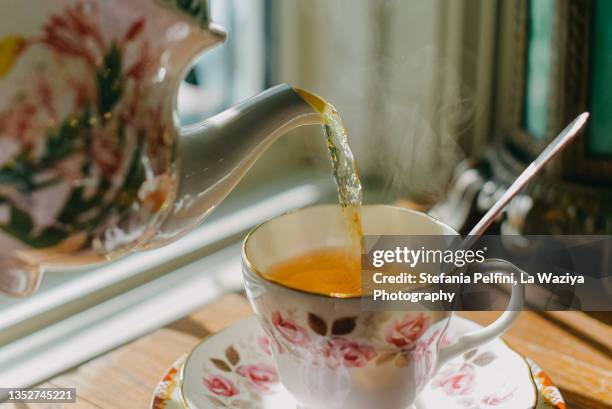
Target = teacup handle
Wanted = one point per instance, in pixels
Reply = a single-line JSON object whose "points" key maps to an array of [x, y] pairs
{"points": [[473, 339]]}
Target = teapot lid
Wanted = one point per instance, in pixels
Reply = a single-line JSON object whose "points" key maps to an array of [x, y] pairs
{"points": [[196, 9]]}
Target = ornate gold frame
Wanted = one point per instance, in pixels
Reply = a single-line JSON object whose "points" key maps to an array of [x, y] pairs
{"points": [[569, 91]]}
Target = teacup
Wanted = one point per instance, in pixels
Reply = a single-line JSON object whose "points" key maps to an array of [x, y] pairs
{"points": [[330, 352]]}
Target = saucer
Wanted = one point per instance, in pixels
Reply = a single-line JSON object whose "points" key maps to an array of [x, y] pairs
{"points": [[234, 369], [167, 392]]}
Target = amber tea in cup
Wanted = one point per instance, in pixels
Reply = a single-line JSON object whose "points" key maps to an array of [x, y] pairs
{"points": [[324, 271]]}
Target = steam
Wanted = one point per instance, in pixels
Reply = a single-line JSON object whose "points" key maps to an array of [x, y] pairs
{"points": [[404, 104], [420, 123]]}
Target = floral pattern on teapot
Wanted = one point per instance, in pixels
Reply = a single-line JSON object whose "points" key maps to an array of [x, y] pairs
{"points": [[86, 147]]}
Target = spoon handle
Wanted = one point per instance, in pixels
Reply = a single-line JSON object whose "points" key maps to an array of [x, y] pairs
{"points": [[561, 141]]}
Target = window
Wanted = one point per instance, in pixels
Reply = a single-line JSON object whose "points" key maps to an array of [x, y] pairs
{"points": [[600, 135], [539, 64], [233, 71]]}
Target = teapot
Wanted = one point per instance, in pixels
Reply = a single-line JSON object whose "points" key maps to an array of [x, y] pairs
{"points": [[93, 162]]}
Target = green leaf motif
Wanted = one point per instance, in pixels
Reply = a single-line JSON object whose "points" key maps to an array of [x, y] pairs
{"points": [[76, 205], [110, 80], [71, 135], [19, 173], [136, 173], [21, 226]]}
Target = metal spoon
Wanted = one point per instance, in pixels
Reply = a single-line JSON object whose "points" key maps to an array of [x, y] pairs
{"points": [[561, 141]]}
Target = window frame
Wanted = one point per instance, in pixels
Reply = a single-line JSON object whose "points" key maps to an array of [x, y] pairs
{"points": [[569, 88]]}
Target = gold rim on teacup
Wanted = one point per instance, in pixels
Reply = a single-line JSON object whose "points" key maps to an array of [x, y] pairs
{"points": [[251, 266]]}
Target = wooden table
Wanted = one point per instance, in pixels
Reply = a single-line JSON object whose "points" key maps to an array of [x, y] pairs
{"points": [[574, 349]]}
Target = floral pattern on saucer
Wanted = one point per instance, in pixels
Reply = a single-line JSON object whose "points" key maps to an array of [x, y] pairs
{"points": [[459, 381], [491, 376], [234, 369], [166, 395], [549, 396]]}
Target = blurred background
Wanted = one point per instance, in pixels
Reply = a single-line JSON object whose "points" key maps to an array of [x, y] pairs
{"points": [[445, 102], [378, 62]]}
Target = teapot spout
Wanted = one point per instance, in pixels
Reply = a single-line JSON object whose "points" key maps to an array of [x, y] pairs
{"points": [[216, 154]]}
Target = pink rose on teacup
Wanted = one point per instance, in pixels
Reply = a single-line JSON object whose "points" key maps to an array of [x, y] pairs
{"points": [[406, 332], [351, 354], [456, 381], [289, 330], [261, 376], [220, 385]]}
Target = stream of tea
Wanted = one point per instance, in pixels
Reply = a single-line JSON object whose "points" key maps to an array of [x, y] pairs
{"points": [[331, 271], [345, 174], [344, 168]]}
